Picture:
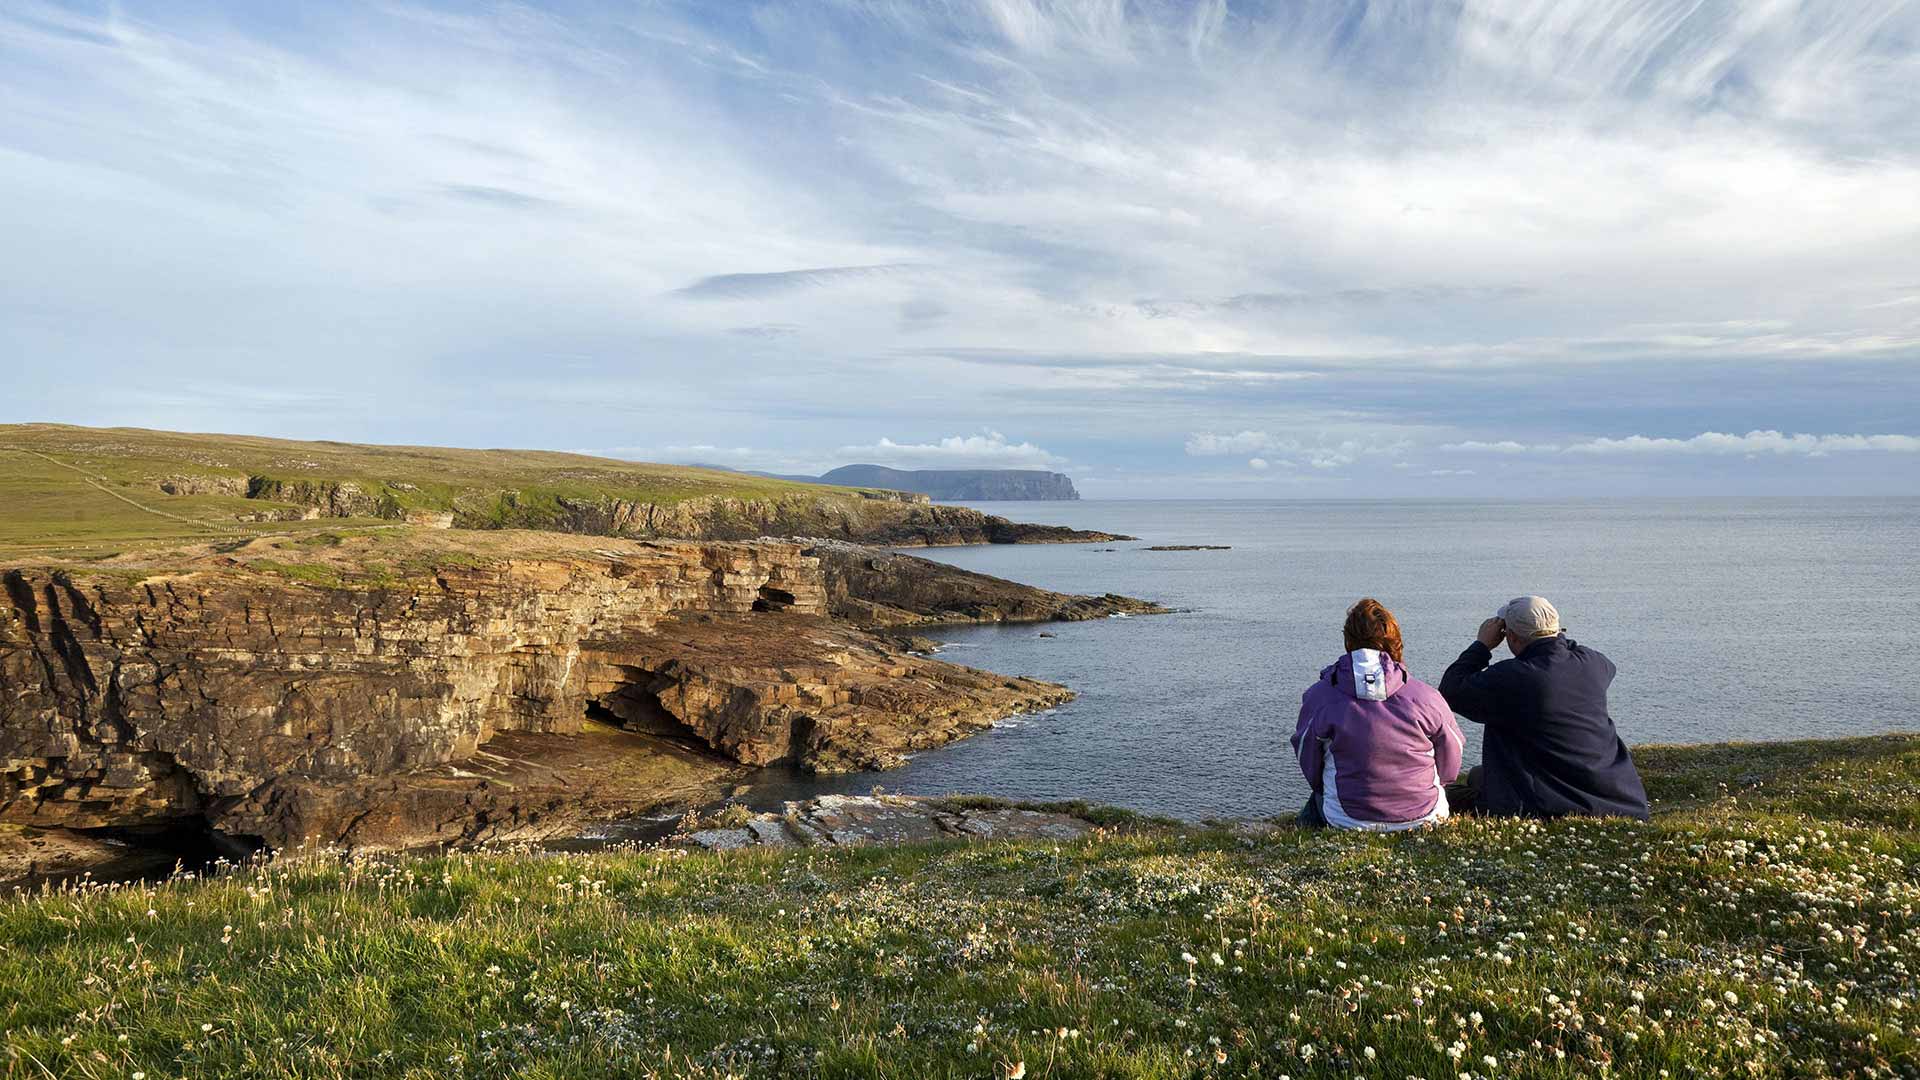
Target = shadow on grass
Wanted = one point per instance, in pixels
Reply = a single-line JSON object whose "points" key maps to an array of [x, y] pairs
{"points": [[1780, 774]]}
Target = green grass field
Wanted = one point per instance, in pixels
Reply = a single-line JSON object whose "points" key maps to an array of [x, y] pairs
{"points": [[1763, 926], [93, 492]]}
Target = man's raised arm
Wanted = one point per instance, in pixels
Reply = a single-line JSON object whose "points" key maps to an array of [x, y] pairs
{"points": [[1466, 685]]}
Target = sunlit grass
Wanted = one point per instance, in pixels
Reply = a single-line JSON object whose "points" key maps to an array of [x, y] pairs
{"points": [[1766, 929], [93, 492]]}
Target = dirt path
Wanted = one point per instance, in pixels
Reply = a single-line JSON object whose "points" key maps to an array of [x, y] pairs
{"points": [[100, 482]]}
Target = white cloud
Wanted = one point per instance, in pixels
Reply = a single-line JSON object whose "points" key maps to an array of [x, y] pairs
{"points": [[1504, 446], [1207, 444], [1753, 442], [1257, 464], [988, 450], [1324, 453], [707, 450], [745, 458], [1707, 442]]}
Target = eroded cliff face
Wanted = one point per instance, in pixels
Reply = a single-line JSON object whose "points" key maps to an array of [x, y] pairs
{"points": [[891, 518], [304, 712]]}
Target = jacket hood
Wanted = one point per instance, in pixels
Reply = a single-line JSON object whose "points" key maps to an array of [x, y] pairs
{"points": [[1366, 674]]}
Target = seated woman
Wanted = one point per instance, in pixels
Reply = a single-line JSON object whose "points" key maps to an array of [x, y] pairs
{"points": [[1377, 745]]}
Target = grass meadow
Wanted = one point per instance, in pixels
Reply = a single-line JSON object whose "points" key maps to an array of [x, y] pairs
{"points": [[97, 492], [1764, 925]]}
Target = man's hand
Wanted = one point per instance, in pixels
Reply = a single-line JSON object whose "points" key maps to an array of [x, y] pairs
{"points": [[1492, 631]]}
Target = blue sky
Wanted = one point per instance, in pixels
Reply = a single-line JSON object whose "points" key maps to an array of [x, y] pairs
{"points": [[1499, 247]]}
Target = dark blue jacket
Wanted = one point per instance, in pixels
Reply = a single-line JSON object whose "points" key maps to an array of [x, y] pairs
{"points": [[1550, 747]]}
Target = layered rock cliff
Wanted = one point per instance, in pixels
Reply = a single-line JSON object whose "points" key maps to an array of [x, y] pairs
{"points": [[417, 700], [890, 518]]}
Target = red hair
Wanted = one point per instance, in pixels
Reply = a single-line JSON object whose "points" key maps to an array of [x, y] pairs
{"points": [[1371, 626]]}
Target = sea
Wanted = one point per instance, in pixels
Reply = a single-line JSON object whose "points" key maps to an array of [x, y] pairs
{"points": [[1729, 619]]}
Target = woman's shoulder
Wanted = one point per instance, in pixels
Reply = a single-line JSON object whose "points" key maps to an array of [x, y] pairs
{"points": [[1321, 685], [1418, 690]]}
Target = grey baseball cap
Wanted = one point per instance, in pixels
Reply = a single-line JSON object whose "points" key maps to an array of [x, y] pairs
{"points": [[1529, 617]]}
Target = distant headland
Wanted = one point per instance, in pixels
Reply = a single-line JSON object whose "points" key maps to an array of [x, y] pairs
{"points": [[950, 485]]}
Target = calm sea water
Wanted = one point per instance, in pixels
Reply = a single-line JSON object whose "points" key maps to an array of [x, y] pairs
{"points": [[1729, 619]]}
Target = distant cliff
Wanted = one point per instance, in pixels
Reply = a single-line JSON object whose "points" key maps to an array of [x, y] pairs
{"points": [[953, 485]]}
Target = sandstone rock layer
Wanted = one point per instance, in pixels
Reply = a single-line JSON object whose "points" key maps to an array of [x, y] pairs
{"points": [[346, 712]]}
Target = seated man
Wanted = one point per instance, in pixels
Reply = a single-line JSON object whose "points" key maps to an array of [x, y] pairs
{"points": [[1550, 746]]}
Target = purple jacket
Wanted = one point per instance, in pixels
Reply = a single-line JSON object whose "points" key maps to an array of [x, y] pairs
{"points": [[1387, 743]]}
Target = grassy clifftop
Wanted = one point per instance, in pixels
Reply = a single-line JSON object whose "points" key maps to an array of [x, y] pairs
{"points": [[1763, 925], [78, 491]]}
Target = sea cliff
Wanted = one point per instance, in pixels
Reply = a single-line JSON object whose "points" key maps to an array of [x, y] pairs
{"points": [[393, 688], [265, 642]]}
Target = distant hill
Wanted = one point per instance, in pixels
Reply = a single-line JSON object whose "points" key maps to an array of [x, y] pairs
{"points": [[950, 485], [959, 485]]}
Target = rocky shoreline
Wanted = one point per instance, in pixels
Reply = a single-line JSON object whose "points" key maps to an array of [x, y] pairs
{"points": [[873, 588], [430, 687]]}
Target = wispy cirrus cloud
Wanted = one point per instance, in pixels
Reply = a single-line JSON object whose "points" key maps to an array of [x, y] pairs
{"points": [[753, 286], [986, 449], [502, 198], [1113, 228]]}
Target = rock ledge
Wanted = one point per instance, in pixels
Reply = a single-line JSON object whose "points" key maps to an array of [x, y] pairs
{"points": [[855, 820]]}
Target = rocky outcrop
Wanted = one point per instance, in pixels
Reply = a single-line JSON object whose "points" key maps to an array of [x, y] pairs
{"points": [[519, 785], [999, 530], [231, 689], [203, 485], [28, 855], [859, 820], [881, 589], [328, 498], [790, 688]]}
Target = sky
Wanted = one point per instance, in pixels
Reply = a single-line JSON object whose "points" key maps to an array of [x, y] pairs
{"points": [[1208, 248]]}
